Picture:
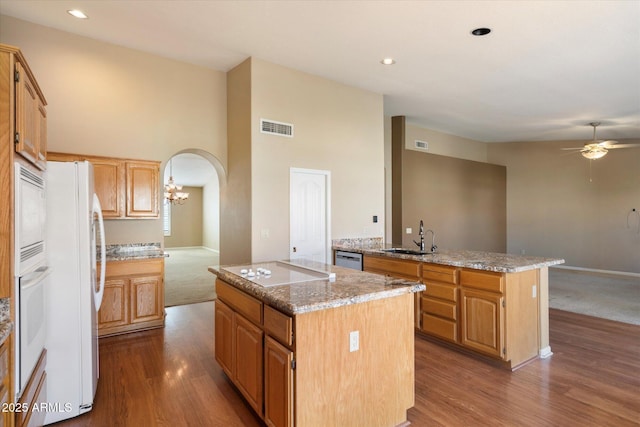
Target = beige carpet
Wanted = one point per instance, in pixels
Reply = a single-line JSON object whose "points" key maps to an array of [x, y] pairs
{"points": [[186, 277], [599, 295]]}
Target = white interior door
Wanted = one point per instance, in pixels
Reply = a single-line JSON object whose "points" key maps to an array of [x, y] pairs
{"points": [[309, 214]]}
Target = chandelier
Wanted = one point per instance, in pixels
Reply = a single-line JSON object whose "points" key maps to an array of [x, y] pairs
{"points": [[173, 193]]}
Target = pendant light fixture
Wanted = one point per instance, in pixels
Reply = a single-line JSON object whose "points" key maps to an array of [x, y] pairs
{"points": [[173, 193]]}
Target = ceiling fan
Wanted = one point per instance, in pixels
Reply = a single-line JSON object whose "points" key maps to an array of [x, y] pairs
{"points": [[597, 149]]}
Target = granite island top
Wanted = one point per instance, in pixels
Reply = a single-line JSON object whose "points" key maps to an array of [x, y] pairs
{"points": [[478, 260], [6, 325], [348, 287], [132, 251]]}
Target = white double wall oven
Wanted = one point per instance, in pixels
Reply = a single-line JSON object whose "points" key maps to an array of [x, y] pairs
{"points": [[31, 270]]}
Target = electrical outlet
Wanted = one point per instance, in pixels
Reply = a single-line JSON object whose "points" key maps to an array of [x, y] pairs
{"points": [[409, 230], [354, 341], [264, 233]]}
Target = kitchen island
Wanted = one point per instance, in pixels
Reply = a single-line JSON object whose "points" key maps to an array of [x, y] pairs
{"points": [[323, 346], [491, 304]]}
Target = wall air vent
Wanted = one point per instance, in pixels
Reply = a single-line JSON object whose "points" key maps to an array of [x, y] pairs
{"points": [[422, 145], [276, 128]]}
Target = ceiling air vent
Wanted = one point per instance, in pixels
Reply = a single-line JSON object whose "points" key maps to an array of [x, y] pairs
{"points": [[422, 145], [276, 128]]}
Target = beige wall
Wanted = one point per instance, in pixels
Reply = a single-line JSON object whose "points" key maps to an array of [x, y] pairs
{"points": [[462, 201], [336, 128], [211, 215], [112, 101], [186, 221], [445, 144], [235, 196], [562, 205]]}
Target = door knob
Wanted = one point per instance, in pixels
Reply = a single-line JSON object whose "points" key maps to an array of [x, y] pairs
{"points": [[295, 249]]}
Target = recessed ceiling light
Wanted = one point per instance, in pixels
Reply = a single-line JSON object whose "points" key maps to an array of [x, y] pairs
{"points": [[388, 61], [481, 31], [77, 14]]}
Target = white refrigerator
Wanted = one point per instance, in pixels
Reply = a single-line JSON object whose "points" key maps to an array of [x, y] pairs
{"points": [[74, 225]]}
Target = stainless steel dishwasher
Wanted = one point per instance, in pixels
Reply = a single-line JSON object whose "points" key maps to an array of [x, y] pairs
{"points": [[349, 260]]}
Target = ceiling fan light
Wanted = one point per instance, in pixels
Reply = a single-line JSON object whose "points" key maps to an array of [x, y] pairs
{"points": [[594, 152]]}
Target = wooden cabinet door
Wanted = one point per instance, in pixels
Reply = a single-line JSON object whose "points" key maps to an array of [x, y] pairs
{"points": [[481, 321], [248, 361], [224, 337], [142, 189], [109, 186], [278, 384], [146, 298], [114, 310], [42, 136], [26, 116]]}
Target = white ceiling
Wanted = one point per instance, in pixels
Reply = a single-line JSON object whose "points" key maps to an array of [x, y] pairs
{"points": [[546, 70], [190, 170]]}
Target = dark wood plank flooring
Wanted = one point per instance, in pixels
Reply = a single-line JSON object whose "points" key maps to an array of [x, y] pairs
{"points": [[168, 377]]}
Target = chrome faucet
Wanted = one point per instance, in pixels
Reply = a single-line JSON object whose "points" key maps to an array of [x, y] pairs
{"points": [[421, 233], [433, 240]]}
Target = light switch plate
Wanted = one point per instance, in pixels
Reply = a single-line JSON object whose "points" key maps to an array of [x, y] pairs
{"points": [[409, 230], [354, 341]]}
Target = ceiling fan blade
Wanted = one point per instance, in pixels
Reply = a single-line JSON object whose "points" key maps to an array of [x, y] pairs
{"points": [[573, 148], [625, 146], [607, 143]]}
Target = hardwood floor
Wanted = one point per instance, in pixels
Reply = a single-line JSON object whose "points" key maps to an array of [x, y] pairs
{"points": [[169, 377]]}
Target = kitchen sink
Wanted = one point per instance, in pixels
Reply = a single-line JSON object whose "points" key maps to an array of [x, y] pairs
{"points": [[406, 251]]}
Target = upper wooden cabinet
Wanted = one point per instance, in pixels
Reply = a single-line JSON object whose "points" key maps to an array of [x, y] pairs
{"points": [[126, 188], [23, 108], [142, 189]]}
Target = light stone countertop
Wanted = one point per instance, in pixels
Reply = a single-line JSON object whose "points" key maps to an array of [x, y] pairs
{"points": [[131, 251], [6, 325], [488, 261], [349, 287]]}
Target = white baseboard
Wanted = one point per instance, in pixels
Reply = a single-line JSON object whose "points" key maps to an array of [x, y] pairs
{"points": [[210, 249], [593, 270], [545, 352]]}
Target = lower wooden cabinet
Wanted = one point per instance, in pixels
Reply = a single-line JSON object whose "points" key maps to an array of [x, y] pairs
{"points": [[259, 366], [482, 320], [491, 313], [248, 361], [133, 296], [34, 394], [5, 383], [278, 384], [439, 304]]}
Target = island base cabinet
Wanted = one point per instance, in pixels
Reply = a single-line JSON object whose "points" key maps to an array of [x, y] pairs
{"points": [[330, 375], [224, 344], [278, 384], [248, 361]]}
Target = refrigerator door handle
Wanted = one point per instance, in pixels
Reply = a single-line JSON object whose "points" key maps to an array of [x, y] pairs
{"points": [[97, 209]]}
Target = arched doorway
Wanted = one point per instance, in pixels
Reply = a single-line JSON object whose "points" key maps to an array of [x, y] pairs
{"points": [[192, 228]]}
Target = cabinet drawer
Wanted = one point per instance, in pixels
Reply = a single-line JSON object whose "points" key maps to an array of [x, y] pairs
{"points": [[278, 325], [445, 292], [134, 267], [442, 328], [484, 280], [393, 267], [439, 308], [245, 304], [439, 273]]}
